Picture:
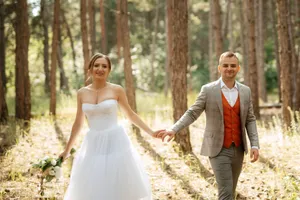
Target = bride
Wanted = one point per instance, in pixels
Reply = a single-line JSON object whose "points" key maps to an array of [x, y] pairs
{"points": [[106, 167]]}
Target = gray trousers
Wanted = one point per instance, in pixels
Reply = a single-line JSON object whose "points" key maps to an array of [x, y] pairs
{"points": [[227, 166]]}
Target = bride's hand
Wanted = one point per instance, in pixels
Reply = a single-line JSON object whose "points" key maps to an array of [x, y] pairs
{"points": [[64, 155], [155, 133]]}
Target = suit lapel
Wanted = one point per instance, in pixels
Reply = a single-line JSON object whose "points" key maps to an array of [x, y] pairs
{"points": [[217, 92]]}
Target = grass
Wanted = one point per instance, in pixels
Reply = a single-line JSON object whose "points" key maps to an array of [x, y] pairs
{"points": [[173, 175]]}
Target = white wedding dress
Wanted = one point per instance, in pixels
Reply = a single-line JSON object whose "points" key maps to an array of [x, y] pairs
{"points": [[107, 167]]}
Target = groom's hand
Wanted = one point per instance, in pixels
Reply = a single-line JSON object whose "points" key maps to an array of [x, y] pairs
{"points": [[166, 133], [254, 154]]}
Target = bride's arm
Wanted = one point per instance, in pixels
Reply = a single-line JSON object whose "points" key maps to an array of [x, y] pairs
{"points": [[77, 125], [130, 114]]}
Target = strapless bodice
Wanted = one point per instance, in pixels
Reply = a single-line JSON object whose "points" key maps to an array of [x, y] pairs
{"points": [[103, 115]]}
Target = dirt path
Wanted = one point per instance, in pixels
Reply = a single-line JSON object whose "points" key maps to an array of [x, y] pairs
{"points": [[173, 176]]}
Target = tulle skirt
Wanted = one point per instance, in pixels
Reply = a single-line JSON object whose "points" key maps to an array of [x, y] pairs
{"points": [[107, 167]]}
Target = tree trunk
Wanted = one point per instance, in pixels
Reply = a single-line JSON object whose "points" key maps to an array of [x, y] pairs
{"points": [[44, 16], [3, 105], [119, 35], [54, 56], [291, 27], [92, 25], [166, 80], [23, 104], [285, 60], [226, 21], [169, 39], [84, 37], [129, 79], [244, 36], [230, 27], [217, 28], [253, 82], [275, 38], [179, 62], [297, 103], [64, 85], [153, 46], [69, 33], [2, 45], [260, 50], [213, 70], [103, 29]]}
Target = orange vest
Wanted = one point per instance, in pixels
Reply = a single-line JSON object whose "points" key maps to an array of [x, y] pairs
{"points": [[232, 123]]}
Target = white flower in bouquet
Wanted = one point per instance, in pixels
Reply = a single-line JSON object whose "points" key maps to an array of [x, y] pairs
{"points": [[52, 173], [53, 162], [43, 162], [58, 173], [56, 168], [46, 158]]}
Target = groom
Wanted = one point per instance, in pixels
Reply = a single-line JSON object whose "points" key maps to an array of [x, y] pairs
{"points": [[229, 111]]}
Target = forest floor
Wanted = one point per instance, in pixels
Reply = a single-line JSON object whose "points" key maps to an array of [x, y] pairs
{"points": [[173, 175]]}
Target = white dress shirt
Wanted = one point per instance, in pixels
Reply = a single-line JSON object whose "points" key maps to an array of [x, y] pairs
{"points": [[231, 95]]}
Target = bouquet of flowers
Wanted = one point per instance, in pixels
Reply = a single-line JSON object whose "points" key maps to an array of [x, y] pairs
{"points": [[49, 168]]}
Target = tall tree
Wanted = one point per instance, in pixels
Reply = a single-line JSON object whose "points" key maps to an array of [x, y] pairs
{"points": [[44, 16], [129, 80], [118, 26], [262, 89], [285, 59], [92, 25], [169, 22], [243, 38], [291, 27], [226, 20], [212, 67], [297, 103], [253, 82], [230, 36], [179, 63], [2, 43], [69, 34], [3, 106], [22, 82], [54, 56], [275, 38], [153, 45], [84, 37], [64, 82], [103, 29], [217, 29]]}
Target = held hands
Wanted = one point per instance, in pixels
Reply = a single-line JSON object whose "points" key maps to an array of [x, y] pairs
{"points": [[254, 154], [166, 133]]}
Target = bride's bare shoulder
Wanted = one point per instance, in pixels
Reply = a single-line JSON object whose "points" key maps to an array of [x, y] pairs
{"points": [[116, 87], [83, 90]]}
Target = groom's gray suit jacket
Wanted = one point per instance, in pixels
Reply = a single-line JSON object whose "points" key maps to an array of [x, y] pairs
{"points": [[210, 101]]}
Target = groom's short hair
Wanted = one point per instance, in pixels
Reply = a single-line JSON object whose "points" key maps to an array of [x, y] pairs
{"points": [[228, 54]]}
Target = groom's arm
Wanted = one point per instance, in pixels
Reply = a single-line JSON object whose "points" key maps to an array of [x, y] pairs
{"points": [[192, 113], [251, 125]]}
